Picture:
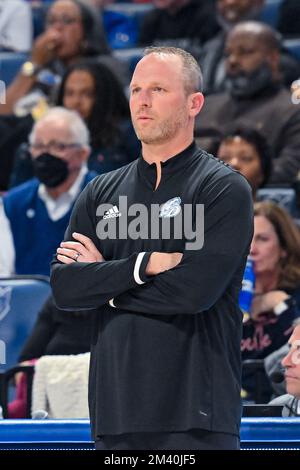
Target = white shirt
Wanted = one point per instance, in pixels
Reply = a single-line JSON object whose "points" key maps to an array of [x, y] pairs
{"points": [[15, 25], [56, 209]]}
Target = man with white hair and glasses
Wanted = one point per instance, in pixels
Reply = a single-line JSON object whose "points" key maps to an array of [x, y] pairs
{"points": [[291, 364], [34, 215]]}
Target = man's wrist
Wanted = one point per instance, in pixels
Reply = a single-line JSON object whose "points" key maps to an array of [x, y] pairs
{"points": [[150, 268]]}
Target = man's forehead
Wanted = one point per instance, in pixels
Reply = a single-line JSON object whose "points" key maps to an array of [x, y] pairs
{"points": [[52, 128], [241, 4], [155, 65], [245, 38]]}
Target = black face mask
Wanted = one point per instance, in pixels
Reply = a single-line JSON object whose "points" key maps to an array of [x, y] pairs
{"points": [[246, 85], [50, 170]]}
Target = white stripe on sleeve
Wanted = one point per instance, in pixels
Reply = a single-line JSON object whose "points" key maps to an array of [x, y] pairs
{"points": [[136, 271]]}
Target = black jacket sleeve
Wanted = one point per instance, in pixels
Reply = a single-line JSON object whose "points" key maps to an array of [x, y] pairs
{"points": [[80, 286], [202, 276]]}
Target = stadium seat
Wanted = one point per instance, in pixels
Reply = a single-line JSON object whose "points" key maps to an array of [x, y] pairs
{"points": [[270, 12], [122, 23], [284, 197], [293, 45], [10, 63], [21, 298], [38, 17], [129, 56], [7, 378]]}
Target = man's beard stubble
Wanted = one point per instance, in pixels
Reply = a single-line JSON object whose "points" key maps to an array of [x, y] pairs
{"points": [[164, 131]]}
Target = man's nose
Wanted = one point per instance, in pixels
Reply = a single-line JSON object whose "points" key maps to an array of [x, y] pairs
{"points": [[232, 63], [286, 361], [144, 98]]}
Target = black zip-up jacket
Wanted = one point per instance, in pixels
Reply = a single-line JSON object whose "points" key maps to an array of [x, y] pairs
{"points": [[166, 349]]}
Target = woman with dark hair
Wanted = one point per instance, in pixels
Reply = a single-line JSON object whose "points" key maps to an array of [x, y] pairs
{"points": [[246, 150], [95, 93], [91, 89], [73, 31], [275, 252]]}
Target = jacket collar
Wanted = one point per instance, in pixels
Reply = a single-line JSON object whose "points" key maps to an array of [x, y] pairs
{"points": [[170, 166]]}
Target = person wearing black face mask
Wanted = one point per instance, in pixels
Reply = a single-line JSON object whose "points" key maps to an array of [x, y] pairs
{"points": [[34, 215], [50, 170], [256, 98]]}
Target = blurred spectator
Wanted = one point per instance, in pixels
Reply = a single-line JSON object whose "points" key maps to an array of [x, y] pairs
{"points": [[247, 151], [273, 368], [93, 91], [100, 3], [73, 31], [295, 91], [56, 332], [13, 132], [275, 251], [212, 59], [288, 22], [291, 363], [256, 98], [15, 26], [36, 213], [231, 12], [181, 23]]}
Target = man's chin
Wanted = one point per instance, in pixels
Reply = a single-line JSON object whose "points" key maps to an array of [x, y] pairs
{"points": [[146, 138], [151, 140]]}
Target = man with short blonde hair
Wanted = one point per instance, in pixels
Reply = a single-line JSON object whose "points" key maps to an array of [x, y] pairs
{"points": [[165, 360]]}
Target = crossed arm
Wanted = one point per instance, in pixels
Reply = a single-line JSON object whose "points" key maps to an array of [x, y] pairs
{"points": [[168, 283], [82, 279]]}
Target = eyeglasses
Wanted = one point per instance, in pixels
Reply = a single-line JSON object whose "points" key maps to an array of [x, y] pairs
{"points": [[52, 147], [64, 20]]}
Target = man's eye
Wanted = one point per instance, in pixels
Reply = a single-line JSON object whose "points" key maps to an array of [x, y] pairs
{"points": [[59, 147], [158, 88], [134, 90]]}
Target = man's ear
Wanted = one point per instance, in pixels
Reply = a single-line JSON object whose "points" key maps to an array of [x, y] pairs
{"points": [[196, 103]]}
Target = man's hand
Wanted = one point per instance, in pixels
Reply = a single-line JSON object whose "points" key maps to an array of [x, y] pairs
{"points": [[83, 251], [160, 262]]}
